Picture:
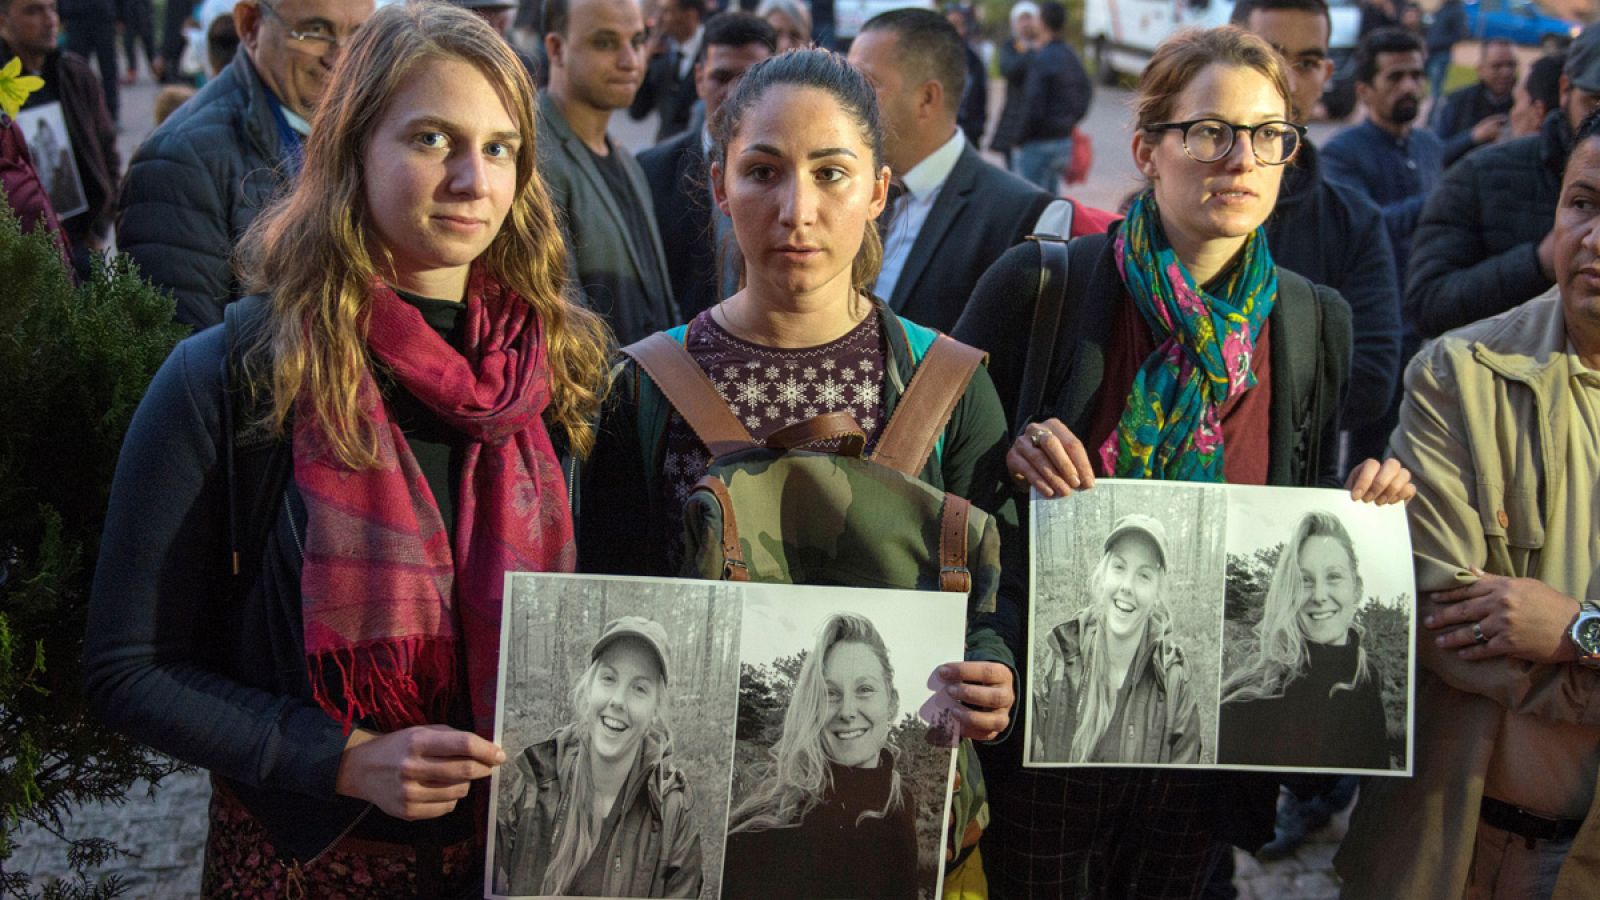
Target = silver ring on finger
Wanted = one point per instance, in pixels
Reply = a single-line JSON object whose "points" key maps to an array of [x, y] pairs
{"points": [[1477, 633], [1039, 436]]}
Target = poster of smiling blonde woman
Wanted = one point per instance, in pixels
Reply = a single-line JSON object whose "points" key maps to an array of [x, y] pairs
{"points": [[1219, 626], [838, 789], [675, 738]]}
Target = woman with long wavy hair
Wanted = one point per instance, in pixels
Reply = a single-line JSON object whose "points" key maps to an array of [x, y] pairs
{"points": [[599, 809], [1307, 695], [326, 641], [1116, 661], [829, 815]]}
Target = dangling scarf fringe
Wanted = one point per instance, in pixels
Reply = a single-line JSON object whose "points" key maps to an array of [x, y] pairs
{"points": [[393, 615], [401, 683]]}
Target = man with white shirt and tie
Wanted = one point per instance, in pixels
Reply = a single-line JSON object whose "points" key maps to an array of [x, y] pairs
{"points": [[669, 75], [954, 214]]}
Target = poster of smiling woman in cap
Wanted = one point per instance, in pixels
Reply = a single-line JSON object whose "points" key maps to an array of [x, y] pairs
{"points": [[1112, 686], [1219, 626], [616, 712], [600, 808]]}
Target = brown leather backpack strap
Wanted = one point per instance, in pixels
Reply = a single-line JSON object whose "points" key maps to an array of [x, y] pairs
{"points": [[826, 428], [733, 567], [924, 409], [691, 393], [953, 572]]}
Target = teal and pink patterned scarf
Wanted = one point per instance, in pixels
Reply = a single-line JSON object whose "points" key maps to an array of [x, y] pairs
{"points": [[1172, 426]]}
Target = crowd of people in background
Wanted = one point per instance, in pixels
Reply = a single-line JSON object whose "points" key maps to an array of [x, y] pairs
{"points": [[410, 245]]}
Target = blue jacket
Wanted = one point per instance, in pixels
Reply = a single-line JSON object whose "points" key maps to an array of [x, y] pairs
{"points": [[1396, 175]]}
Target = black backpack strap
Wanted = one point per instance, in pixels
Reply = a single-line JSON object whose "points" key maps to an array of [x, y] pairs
{"points": [[256, 461], [1049, 298], [1301, 318]]}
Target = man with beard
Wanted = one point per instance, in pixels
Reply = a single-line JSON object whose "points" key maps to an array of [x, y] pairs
{"points": [[1395, 164]]}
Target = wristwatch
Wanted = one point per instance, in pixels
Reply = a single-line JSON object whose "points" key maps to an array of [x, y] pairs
{"points": [[1586, 634]]}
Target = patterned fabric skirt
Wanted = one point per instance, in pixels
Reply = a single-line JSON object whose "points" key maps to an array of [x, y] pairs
{"points": [[242, 862]]}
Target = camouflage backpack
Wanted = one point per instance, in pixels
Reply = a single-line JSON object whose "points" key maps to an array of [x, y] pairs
{"points": [[779, 512]]}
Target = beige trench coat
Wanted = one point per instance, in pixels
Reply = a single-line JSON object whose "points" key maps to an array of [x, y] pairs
{"points": [[1484, 443]]}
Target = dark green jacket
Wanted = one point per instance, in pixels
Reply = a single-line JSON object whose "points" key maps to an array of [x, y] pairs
{"points": [[624, 529], [654, 850]]}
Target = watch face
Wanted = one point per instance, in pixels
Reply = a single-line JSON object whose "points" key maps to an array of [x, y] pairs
{"points": [[1587, 634]]}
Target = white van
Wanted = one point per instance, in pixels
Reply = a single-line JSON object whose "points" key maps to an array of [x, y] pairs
{"points": [[1120, 35], [850, 15]]}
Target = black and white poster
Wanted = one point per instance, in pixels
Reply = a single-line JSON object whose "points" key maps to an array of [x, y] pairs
{"points": [[671, 738], [1220, 626], [49, 143]]}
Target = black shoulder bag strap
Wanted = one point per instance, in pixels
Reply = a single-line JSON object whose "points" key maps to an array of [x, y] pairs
{"points": [[1302, 327], [256, 462], [1050, 297]]}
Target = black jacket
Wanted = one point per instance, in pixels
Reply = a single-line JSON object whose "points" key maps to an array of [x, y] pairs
{"points": [[1329, 717], [840, 849], [973, 115], [1335, 236], [1475, 253], [680, 190], [981, 212], [1463, 109], [1014, 69], [194, 187], [662, 90], [1055, 93]]}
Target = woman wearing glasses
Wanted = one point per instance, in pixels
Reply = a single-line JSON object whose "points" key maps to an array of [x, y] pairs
{"points": [[1184, 354]]}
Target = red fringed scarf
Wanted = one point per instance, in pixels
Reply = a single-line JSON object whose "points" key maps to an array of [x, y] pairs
{"points": [[388, 604]]}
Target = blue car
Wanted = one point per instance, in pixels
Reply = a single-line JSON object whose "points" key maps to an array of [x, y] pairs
{"points": [[1520, 22]]}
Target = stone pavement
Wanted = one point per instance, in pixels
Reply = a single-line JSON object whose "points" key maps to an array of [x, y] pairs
{"points": [[166, 830]]}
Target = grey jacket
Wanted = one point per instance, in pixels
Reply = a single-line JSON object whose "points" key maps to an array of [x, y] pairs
{"points": [[195, 186], [625, 283]]}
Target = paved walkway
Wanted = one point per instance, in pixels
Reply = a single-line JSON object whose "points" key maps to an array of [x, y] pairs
{"points": [[166, 832]]}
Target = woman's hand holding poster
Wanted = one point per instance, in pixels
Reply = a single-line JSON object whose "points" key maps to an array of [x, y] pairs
{"points": [[669, 738], [1220, 626]]}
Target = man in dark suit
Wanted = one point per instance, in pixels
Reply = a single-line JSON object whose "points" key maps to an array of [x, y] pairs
{"points": [[615, 258], [669, 75], [692, 228], [956, 213]]}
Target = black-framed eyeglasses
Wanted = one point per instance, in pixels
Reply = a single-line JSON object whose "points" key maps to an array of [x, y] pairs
{"points": [[1208, 140], [318, 42]]}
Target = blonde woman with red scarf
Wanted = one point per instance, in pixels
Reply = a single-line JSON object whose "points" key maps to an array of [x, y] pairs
{"points": [[409, 350]]}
